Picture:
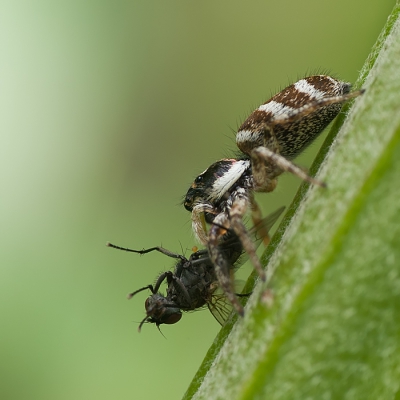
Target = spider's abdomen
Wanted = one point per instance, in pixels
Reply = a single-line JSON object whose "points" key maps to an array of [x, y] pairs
{"points": [[294, 117]]}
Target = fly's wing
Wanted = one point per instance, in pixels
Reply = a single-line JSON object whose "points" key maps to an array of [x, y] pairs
{"points": [[220, 307], [218, 304], [265, 224]]}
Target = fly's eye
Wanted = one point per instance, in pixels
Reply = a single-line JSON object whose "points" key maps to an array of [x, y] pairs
{"points": [[173, 318], [149, 307]]}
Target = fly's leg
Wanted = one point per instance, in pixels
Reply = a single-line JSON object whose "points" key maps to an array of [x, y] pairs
{"points": [[145, 251], [179, 286]]}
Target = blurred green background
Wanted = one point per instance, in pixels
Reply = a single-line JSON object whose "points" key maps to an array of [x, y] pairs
{"points": [[109, 110]]}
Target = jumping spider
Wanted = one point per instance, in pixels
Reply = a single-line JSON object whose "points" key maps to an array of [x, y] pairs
{"points": [[193, 283], [269, 138]]}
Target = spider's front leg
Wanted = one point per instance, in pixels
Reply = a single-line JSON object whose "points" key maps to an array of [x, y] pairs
{"points": [[221, 263]]}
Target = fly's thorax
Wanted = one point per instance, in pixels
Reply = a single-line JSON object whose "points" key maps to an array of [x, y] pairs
{"points": [[196, 277]]}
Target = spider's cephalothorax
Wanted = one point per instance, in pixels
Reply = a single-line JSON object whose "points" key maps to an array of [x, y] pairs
{"points": [[194, 283], [270, 137], [211, 191], [220, 196]]}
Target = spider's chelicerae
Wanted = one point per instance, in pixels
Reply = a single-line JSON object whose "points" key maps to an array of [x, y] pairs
{"points": [[269, 138]]}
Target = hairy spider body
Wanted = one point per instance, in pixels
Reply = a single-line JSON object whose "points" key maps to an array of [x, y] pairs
{"points": [[294, 117], [269, 138], [193, 283]]}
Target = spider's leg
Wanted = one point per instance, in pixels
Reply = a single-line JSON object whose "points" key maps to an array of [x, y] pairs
{"points": [[236, 213], [221, 263], [272, 164], [257, 218], [313, 106]]}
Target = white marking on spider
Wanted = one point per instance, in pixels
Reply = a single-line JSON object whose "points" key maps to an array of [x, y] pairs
{"points": [[275, 108], [226, 181], [245, 136], [304, 87]]}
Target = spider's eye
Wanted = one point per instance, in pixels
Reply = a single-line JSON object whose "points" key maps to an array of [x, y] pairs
{"points": [[199, 179]]}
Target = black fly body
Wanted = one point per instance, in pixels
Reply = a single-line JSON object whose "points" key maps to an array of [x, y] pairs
{"points": [[273, 134], [193, 283]]}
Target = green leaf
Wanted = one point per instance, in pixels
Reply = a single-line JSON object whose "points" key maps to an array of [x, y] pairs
{"points": [[326, 325]]}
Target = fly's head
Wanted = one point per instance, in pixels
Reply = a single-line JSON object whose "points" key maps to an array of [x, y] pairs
{"points": [[160, 310]]}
